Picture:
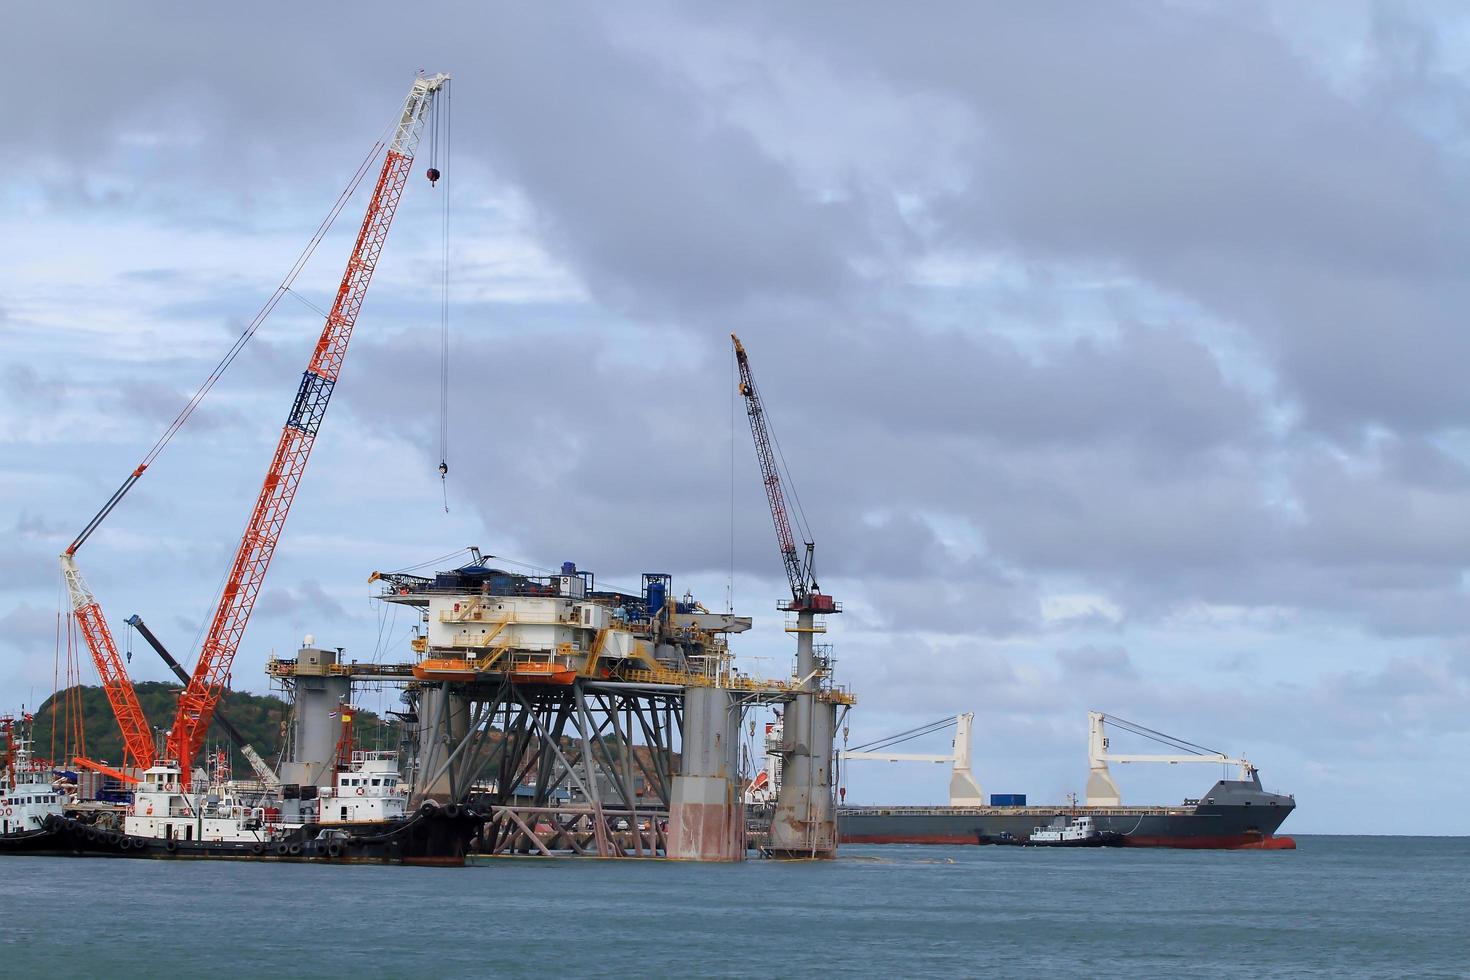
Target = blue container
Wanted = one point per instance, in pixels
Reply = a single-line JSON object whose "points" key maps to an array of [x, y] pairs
{"points": [[1007, 799]]}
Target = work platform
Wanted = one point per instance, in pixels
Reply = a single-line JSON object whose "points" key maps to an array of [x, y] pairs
{"points": [[582, 722]]}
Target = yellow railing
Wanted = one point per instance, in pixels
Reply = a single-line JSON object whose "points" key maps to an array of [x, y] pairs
{"points": [[732, 682]]}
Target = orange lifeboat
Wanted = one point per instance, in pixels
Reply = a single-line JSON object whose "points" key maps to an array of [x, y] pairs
{"points": [[542, 673], [443, 669]]}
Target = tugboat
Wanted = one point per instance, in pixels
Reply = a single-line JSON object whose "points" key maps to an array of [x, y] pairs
{"points": [[361, 819], [1079, 832], [29, 795]]}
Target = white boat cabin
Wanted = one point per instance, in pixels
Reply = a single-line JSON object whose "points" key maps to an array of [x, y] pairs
{"points": [[1081, 828], [26, 805], [163, 809], [28, 794], [370, 789]]}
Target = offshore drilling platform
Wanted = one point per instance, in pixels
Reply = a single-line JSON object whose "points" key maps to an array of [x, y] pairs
{"points": [[576, 720], [579, 720], [554, 717]]}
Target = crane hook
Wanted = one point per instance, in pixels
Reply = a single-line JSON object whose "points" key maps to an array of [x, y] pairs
{"points": [[433, 175]]}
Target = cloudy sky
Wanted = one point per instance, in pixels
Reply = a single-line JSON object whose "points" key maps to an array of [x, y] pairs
{"points": [[1117, 350]]}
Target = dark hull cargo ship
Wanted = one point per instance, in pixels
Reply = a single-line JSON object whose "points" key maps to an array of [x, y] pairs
{"points": [[1233, 814]]}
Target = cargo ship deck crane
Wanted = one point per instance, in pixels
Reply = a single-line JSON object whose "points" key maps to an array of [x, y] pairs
{"points": [[1103, 791], [211, 674], [963, 789]]}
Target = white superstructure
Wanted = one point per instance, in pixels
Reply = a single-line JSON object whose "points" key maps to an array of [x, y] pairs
{"points": [[370, 789], [487, 619], [28, 794], [1082, 828], [163, 809], [767, 783]]}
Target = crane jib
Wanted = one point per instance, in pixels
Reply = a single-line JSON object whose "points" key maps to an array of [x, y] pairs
{"points": [[200, 698], [311, 403], [210, 678]]}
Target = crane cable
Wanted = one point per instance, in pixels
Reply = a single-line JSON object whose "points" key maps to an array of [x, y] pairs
{"points": [[730, 582], [905, 736], [229, 358], [448, 132], [1161, 738]]}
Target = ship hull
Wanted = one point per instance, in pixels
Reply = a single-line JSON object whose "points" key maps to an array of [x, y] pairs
{"points": [[431, 837], [34, 842], [1235, 815]]}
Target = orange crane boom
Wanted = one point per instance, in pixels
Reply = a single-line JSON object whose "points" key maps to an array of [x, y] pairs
{"points": [[136, 735], [211, 674]]}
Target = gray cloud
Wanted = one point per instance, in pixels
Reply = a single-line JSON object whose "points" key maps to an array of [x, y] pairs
{"points": [[1141, 306], [1196, 148], [29, 629], [302, 605], [1090, 660]]}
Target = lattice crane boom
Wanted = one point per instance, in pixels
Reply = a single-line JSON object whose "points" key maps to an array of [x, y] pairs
{"points": [[799, 571], [257, 546], [137, 737]]}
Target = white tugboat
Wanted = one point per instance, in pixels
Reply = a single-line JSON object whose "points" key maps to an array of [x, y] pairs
{"points": [[28, 790], [1079, 832], [369, 790], [163, 810]]}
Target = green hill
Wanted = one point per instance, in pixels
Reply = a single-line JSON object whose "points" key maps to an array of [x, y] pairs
{"points": [[261, 719]]}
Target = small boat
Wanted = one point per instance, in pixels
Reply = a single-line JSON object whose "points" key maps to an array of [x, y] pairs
{"points": [[30, 791], [1079, 832]]}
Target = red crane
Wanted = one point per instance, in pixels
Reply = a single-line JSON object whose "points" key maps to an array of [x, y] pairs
{"points": [[806, 596], [136, 735], [206, 686], [216, 658]]}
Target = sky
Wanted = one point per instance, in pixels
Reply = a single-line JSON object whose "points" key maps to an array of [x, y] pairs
{"points": [[1115, 352]]}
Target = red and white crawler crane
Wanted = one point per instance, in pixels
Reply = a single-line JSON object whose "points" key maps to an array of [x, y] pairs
{"points": [[208, 682]]}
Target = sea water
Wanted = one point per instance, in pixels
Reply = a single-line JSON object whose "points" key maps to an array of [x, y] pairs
{"points": [[1336, 907]]}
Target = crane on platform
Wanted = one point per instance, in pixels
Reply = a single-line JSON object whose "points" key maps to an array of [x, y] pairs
{"points": [[806, 595], [804, 822], [201, 695]]}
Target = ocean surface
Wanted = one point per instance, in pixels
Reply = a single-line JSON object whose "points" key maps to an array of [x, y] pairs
{"points": [[1336, 907]]}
